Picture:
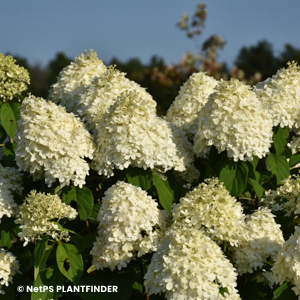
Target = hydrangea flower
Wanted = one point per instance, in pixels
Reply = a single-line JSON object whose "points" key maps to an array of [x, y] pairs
{"points": [[13, 78], [192, 96], [211, 208], [287, 262], [262, 238], [189, 265], [9, 267], [286, 197], [37, 213], [10, 182], [280, 94], [130, 133], [52, 143], [75, 78], [130, 224], [104, 89], [233, 119]]}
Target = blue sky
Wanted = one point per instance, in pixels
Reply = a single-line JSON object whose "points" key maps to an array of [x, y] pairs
{"points": [[38, 29]]}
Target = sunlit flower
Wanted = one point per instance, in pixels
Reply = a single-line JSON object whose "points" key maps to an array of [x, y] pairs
{"points": [[189, 265], [211, 208], [262, 238], [130, 225], [287, 262], [280, 94], [9, 266], [75, 78], [94, 101], [13, 78], [36, 216], [233, 119], [52, 143], [192, 96], [10, 183], [286, 197], [130, 133]]}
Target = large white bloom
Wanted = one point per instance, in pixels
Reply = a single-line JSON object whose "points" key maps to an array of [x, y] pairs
{"points": [[52, 143], [286, 197], [281, 96], [104, 89], [262, 238], [287, 262], [233, 119], [37, 213], [9, 266], [75, 78], [189, 265], [13, 78], [130, 224], [192, 96], [211, 208], [10, 182], [130, 133]]}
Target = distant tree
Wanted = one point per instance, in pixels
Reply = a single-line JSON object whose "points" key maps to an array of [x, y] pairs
{"points": [[56, 65], [259, 58], [289, 53]]}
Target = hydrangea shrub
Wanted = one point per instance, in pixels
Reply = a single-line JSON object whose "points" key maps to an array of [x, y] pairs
{"points": [[96, 189]]}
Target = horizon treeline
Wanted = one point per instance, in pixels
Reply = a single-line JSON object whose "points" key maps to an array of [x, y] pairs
{"points": [[164, 81]]}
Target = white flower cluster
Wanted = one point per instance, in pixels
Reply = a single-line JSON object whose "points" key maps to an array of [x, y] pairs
{"points": [[189, 265], [233, 119], [52, 143], [130, 224], [101, 93], [75, 78], [287, 262], [13, 78], [130, 133], [9, 266], [262, 238], [36, 217], [10, 182], [192, 96], [211, 208], [286, 197], [281, 96]]}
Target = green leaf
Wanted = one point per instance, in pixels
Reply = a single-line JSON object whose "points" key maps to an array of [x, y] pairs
{"points": [[165, 193], [139, 177], [9, 115], [48, 280], [294, 160], [279, 290], [280, 139], [69, 262], [234, 176], [84, 198], [9, 155], [41, 254], [259, 190], [278, 166], [8, 232], [138, 286]]}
